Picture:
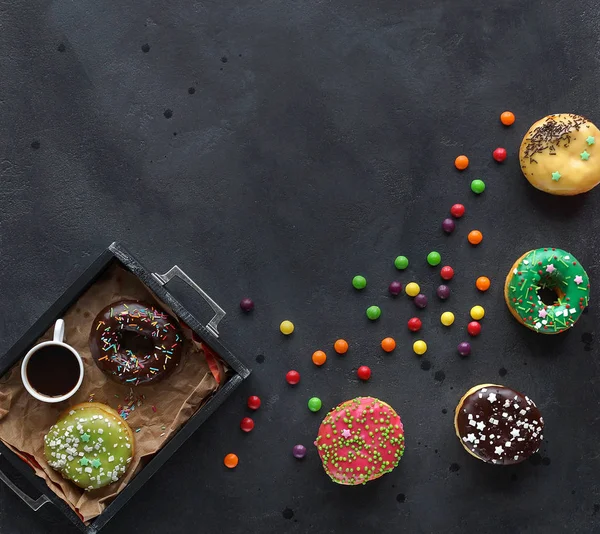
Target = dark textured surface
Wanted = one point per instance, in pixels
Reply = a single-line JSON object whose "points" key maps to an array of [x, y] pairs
{"points": [[314, 140]]}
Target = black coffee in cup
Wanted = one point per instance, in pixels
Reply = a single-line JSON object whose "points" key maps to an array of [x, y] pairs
{"points": [[53, 371]]}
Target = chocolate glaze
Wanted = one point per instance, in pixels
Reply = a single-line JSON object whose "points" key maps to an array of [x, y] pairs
{"points": [[134, 343], [499, 425]]}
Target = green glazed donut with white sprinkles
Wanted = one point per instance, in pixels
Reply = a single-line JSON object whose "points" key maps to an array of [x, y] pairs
{"points": [[547, 268]]}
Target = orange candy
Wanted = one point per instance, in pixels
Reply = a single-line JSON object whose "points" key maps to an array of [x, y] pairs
{"points": [[507, 118], [483, 283], [461, 162], [341, 346], [319, 357], [388, 344], [475, 237], [231, 460]]}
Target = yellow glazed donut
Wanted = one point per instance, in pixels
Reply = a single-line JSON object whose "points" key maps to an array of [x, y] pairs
{"points": [[559, 154]]}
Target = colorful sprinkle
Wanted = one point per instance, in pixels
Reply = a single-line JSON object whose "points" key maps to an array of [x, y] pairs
{"points": [[585, 155], [556, 176], [590, 140]]}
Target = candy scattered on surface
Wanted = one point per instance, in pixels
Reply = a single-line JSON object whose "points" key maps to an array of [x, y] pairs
{"points": [[230, 460], [420, 347], [388, 344], [499, 154], [475, 237], [443, 292], [474, 328], [247, 305], [299, 451], [477, 313], [414, 324], [461, 162], [482, 283], [314, 404], [341, 346], [286, 327], [420, 301], [507, 118], [359, 282], [447, 318], [292, 377], [247, 424], [447, 272], [363, 372], [412, 289], [434, 258], [448, 225], [319, 357], [478, 186], [395, 288], [253, 402], [401, 263], [373, 312], [464, 348], [457, 211]]}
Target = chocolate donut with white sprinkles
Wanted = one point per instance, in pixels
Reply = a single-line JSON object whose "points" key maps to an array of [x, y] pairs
{"points": [[134, 343], [498, 425]]}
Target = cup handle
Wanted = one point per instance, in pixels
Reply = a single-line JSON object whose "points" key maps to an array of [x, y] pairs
{"points": [[59, 331]]}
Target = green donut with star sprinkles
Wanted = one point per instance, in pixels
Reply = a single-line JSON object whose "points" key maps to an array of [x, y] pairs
{"points": [[547, 268]]}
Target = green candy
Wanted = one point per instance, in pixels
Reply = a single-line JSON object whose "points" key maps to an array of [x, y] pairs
{"points": [[314, 404], [434, 258], [401, 263], [373, 312], [359, 282], [478, 186]]}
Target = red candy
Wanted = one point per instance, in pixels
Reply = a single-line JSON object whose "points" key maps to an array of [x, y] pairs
{"points": [[247, 424], [414, 324], [447, 272], [499, 154], [292, 377], [364, 373], [253, 402], [457, 211], [474, 328]]}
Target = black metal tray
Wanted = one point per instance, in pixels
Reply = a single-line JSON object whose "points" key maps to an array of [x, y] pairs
{"points": [[208, 333]]}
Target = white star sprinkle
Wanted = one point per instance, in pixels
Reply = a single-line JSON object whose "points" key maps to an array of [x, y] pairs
{"points": [[492, 397], [499, 451], [515, 432], [480, 425]]}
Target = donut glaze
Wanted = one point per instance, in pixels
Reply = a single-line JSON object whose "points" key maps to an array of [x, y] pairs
{"points": [[360, 440], [498, 425], [135, 343]]}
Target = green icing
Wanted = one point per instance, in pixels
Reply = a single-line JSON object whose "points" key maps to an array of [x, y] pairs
{"points": [[554, 269]]}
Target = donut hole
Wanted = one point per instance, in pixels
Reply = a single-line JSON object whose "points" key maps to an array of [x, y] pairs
{"points": [[136, 343], [549, 295]]}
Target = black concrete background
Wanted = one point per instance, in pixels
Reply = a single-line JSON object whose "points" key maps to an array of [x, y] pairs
{"points": [[273, 150]]}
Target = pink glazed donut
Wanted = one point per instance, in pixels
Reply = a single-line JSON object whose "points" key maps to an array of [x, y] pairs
{"points": [[360, 440]]}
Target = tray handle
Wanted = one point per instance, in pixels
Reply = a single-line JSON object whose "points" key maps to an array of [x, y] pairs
{"points": [[34, 504], [176, 271]]}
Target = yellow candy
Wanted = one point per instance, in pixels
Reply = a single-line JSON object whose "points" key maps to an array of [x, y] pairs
{"points": [[286, 327], [477, 312], [447, 318], [420, 347], [412, 289]]}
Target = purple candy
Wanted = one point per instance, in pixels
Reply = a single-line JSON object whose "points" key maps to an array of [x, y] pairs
{"points": [[448, 225], [443, 292], [395, 288], [464, 348], [420, 301], [299, 451], [247, 305]]}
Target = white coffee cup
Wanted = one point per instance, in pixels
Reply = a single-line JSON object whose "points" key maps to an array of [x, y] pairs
{"points": [[57, 341]]}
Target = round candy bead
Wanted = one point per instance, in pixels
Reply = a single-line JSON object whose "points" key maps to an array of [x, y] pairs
{"points": [[231, 460], [447, 272], [299, 451], [286, 327], [388, 344], [507, 118], [457, 211], [412, 289], [414, 324], [341, 346], [420, 347], [499, 154], [447, 318], [475, 237], [434, 258], [395, 288], [420, 301], [253, 402], [363, 372], [401, 262], [373, 312], [478, 186], [483, 283], [247, 424], [247, 305], [464, 348], [292, 377], [319, 357], [474, 328], [443, 292], [477, 312], [461, 162], [314, 404], [448, 225], [359, 282]]}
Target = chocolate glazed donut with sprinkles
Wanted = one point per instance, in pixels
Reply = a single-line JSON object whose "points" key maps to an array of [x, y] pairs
{"points": [[547, 268], [134, 343]]}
